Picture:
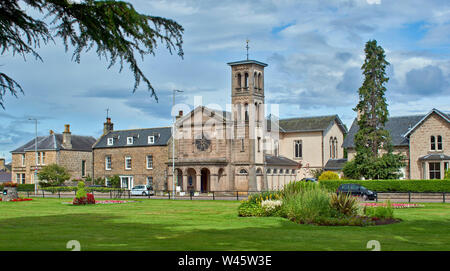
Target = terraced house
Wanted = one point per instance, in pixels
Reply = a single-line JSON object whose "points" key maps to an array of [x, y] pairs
{"points": [[423, 139], [74, 152], [138, 156]]}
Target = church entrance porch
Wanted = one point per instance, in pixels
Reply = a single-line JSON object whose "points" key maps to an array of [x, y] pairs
{"points": [[205, 180]]}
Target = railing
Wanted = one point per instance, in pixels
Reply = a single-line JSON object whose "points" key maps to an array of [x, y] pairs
{"points": [[228, 195]]}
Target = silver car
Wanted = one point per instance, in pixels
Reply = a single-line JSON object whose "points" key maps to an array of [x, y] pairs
{"points": [[140, 190]]}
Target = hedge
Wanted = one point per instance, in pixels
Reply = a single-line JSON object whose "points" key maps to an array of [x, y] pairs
{"points": [[22, 187], [55, 189], [394, 185]]}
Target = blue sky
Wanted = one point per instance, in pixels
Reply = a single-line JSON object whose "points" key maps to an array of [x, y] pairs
{"points": [[314, 49]]}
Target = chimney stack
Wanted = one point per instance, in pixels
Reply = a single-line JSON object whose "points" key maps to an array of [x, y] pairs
{"points": [[108, 126], [67, 137], [2, 164], [51, 132]]}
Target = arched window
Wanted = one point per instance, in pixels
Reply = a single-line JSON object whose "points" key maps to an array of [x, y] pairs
{"points": [[439, 142], [268, 171], [293, 171], [433, 143], [298, 149], [239, 81], [274, 171], [246, 112], [239, 112], [246, 81], [281, 171], [254, 80], [243, 171], [335, 148], [259, 81], [258, 171], [331, 147]]}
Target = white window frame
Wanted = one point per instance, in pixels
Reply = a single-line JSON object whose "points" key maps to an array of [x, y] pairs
{"points": [[23, 160], [148, 160], [110, 141], [126, 159], [151, 139], [130, 140], [42, 158], [108, 162]]}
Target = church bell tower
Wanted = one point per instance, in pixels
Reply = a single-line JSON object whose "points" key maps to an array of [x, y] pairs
{"points": [[247, 96]]}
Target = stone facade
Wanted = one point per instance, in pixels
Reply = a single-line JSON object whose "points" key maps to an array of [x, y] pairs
{"points": [[70, 151], [414, 142], [420, 146], [139, 172]]}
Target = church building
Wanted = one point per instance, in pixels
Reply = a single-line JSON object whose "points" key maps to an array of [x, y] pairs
{"points": [[241, 149]]}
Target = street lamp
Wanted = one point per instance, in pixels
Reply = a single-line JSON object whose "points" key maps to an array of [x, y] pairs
{"points": [[35, 154], [173, 144]]}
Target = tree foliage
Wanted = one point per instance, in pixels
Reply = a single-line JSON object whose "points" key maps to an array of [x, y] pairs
{"points": [[114, 28], [372, 136], [53, 175]]}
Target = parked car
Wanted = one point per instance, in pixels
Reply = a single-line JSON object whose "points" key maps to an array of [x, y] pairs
{"points": [[357, 190], [141, 190], [312, 180]]}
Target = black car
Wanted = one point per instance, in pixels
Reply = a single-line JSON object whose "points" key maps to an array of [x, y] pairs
{"points": [[357, 190]]}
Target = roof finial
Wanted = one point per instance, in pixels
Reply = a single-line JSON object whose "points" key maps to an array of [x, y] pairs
{"points": [[107, 112], [247, 47]]}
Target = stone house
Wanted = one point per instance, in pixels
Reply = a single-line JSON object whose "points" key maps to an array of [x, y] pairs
{"points": [[3, 166], [422, 139], [74, 152], [138, 156]]}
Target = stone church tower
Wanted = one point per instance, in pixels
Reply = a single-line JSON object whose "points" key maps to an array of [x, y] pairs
{"points": [[247, 97]]}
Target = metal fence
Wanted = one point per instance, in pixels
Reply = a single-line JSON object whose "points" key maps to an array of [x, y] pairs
{"points": [[229, 195]]}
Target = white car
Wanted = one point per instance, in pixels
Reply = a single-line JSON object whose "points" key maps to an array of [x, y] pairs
{"points": [[140, 190]]}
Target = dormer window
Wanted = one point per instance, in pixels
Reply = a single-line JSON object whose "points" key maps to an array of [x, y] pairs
{"points": [[110, 141], [129, 140], [151, 139]]}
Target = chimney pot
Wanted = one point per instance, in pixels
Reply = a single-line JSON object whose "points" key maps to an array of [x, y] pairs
{"points": [[66, 128], [51, 132]]}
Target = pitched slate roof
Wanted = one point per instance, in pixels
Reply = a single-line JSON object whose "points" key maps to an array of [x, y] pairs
{"points": [[309, 124], [140, 137], [398, 127], [272, 160], [5, 177], [335, 164], [54, 142]]}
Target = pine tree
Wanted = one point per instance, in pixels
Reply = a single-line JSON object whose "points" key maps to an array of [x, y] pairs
{"points": [[113, 28], [373, 115], [372, 104]]}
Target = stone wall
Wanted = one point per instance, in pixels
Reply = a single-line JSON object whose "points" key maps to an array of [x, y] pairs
{"points": [[138, 169], [420, 143]]}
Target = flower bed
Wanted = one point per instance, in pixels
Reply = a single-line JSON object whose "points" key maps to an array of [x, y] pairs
{"points": [[112, 201], [19, 199], [394, 205]]}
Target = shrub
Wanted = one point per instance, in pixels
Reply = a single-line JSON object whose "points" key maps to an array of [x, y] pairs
{"points": [[344, 204], [53, 175], [447, 174], [10, 184], [329, 175], [308, 204], [380, 212], [248, 208], [394, 185], [316, 172], [81, 192], [260, 197], [271, 207]]}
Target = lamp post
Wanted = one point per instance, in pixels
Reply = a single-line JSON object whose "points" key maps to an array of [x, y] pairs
{"points": [[173, 144], [35, 154]]}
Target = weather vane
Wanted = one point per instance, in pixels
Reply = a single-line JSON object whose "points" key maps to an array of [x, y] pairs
{"points": [[247, 47]]}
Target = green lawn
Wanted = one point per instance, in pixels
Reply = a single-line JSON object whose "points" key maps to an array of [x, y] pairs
{"points": [[47, 224]]}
